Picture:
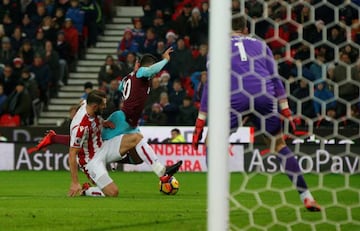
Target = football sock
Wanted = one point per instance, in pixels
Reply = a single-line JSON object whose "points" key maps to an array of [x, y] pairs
{"points": [[147, 154], [94, 192], [292, 169], [61, 139], [306, 194]]}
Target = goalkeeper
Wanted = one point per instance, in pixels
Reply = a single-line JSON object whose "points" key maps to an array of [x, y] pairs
{"points": [[254, 81]]}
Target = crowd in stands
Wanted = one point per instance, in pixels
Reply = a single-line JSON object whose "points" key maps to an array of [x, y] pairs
{"points": [[317, 54], [40, 43]]}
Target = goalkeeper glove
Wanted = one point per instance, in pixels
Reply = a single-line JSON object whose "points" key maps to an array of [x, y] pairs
{"points": [[286, 112], [197, 134]]}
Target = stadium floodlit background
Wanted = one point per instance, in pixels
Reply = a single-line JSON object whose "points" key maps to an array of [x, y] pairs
{"points": [[316, 44]]}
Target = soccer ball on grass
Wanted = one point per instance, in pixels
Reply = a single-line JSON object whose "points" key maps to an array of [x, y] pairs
{"points": [[170, 187]]}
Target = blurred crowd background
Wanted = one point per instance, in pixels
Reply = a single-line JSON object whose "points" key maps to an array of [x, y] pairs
{"points": [[316, 44]]}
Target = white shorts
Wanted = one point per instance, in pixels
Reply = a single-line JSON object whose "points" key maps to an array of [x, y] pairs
{"points": [[96, 167]]}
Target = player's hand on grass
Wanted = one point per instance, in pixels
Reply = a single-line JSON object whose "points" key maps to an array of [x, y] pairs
{"points": [[75, 189], [166, 54], [197, 134]]}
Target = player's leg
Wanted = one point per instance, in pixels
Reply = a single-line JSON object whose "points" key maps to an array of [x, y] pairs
{"points": [[274, 138], [50, 138], [96, 169], [121, 126], [147, 154]]}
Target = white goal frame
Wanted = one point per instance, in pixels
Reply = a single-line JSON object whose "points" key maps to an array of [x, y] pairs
{"points": [[218, 118]]}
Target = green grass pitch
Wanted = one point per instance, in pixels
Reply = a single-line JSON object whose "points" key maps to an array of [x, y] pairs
{"points": [[31, 200]]}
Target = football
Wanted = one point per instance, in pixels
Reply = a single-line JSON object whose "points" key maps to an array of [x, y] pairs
{"points": [[171, 187]]}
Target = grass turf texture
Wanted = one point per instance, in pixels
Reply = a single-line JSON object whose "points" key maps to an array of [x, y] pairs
{"points": [[31, 200]]}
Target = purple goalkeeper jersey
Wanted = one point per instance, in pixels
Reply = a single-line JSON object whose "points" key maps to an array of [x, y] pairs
{"points": [[253, 73]]}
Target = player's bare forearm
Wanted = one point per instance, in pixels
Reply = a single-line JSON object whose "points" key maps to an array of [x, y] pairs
{"points": [[75, 187]]}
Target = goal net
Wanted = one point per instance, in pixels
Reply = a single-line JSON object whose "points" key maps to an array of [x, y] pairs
{"points": [[316, 47]]}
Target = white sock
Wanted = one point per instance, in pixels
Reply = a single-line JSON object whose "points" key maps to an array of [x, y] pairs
{"points": [[94, 192], [306, 194], [147, 154]]}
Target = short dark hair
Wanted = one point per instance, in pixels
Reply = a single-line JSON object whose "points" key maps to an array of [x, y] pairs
{"points": [[238, 23], [147, 59], [176, 130], [95, 97]]}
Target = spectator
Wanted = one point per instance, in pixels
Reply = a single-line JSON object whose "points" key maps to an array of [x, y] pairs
{"points": [[65, 59], [7, 54], [49, 30], [182, 19], [26, 52], [59, 18], [336, 35], [108, 72], [113, 98], [129, 64], [196, 29], [43, 77], [198, 80], [351, 51], [187, 112], [8, 79], [71, 36], [160, 49], [313, 32], [148, 16], [126, 45], [90, 21], [180, 63], [347, 90], [52, 60], [176, 136], [324, 102], [3, 97], [19, 103], [16, 38], [177, 93], [38, 43], [160, 27], [88, 86], [30, 83], [171, 39], [8, 25], [18, 65], [316, 67], [165, 80], [254, 8], [28, 27], [40, 13], [156, 117], [150, 42], [301, 94], [169, 109], [76, 15], [138, 31], [199, 63], [154, 94]]}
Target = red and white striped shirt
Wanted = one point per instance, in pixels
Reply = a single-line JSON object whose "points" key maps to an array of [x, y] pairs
{"points": [[85, 134]]}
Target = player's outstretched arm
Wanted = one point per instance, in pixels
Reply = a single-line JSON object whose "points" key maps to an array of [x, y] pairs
{"points": [[155, 68]]}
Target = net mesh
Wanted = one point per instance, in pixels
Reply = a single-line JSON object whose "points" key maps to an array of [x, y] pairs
{"points": [[316, 47]]}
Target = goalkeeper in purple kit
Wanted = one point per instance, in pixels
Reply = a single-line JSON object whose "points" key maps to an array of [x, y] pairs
{"points": [[257, 89]]}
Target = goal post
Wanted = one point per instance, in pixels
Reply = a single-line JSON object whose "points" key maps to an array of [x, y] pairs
{"points": [[218, 118]]}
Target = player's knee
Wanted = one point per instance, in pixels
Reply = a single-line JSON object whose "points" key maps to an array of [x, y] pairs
{"points": [[111, 190]]}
